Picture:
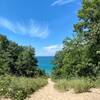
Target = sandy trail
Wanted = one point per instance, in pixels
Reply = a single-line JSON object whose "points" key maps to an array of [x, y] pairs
{"points": [[50, 93]]}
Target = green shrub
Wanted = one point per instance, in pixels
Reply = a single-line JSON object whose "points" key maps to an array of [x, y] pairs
{"points": [[79, 85], [18, 88], [62, 85], [97, 83], [82, 85]]}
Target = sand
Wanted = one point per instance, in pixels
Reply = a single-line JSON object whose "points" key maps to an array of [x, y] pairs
{"points": [[50, 93]]}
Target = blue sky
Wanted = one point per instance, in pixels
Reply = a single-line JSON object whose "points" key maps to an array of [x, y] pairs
{"points": [[44, 24]]}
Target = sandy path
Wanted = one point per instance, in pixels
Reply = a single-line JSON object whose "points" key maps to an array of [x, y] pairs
{"points": [[49, 93]]}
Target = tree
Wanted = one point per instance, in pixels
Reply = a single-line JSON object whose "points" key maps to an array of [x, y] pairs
{"points": [[3, 55], [13, 51], [58, 63], [17, 60], [26, 63], [81, 53], [89, 26]]}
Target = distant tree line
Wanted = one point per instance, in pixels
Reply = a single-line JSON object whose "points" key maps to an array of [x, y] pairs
{"points": [[17, 60], [80, 56]]}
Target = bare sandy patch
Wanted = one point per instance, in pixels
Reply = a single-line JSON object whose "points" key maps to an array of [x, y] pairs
{"points": [[50, 93]]}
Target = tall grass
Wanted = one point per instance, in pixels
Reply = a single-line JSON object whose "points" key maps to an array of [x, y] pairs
{"points": [[97, 83], [79, 85], [18, 88]]}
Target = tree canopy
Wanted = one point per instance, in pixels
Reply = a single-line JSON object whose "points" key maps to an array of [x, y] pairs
{"points": [[80, 56], [17, 60]]}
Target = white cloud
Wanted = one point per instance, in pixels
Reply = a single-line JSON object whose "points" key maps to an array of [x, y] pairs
{"points": [[31, 28], [61, 2], [52, 49]]}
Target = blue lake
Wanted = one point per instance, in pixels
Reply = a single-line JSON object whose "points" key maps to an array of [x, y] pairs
{"points": [[45, 63]]}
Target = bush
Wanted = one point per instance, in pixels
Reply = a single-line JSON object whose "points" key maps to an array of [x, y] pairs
{"points": [[18, 88], [82, 85], [62, 85], [97, 83], [79, 85]]}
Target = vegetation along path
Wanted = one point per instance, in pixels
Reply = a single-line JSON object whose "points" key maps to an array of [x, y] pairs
{"points": [[50, 93]]}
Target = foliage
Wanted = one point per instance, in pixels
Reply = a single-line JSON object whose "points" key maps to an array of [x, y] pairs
{"points": [[18, 88], [26, 62], [80, 56], [97, 82], [17, 60], [79, 85]]}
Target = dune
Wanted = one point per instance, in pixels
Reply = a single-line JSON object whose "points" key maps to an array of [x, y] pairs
{"points": [[50, 93]]}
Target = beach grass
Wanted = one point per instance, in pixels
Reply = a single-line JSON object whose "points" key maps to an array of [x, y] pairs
{"points": [[97, 83], [18, 88], [78, 85]]}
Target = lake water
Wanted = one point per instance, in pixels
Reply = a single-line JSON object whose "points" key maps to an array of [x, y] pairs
{"points": [[45, 63]]}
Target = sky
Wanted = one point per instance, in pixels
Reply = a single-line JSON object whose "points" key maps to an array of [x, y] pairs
{"points": [[43, 24]]}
